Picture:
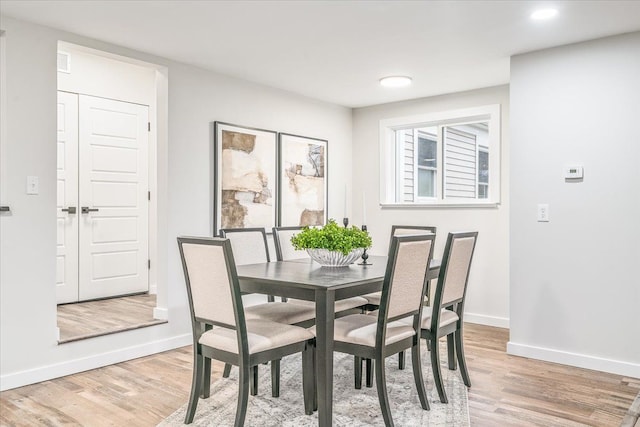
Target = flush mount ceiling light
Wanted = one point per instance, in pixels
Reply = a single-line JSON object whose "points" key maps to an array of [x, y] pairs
{"points": [[395, 81], [543, 14]]}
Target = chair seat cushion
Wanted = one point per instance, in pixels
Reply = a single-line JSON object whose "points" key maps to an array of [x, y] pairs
{"points": [[261, 335], [447, 317], [281, 312], [340, 305], [375, 297], [361, 329]]}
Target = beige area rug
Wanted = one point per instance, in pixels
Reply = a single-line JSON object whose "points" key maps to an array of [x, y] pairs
{"points": [[351, 407]]}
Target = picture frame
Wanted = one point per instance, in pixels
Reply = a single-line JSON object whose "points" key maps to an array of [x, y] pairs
{"points": [[303, 184], [245, 177]]}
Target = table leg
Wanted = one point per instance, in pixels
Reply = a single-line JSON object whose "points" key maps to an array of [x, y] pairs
{"points": [[325, 314]]}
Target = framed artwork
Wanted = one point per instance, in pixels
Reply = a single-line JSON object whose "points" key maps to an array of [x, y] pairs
{"points": [[303, 180], [245, 177]]}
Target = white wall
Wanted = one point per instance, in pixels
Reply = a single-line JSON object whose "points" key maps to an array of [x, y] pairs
{"points": [[28, 348], [488, 292], [575, 287]]}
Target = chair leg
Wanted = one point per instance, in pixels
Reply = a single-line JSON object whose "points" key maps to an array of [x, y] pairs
{"points": [[308, 378], [227, 370], [357, 370], [435, 367], [275, 378], [315, 382], [451, 352], [461, 360], [381, 384], [245, 378], [206, 379], [401, 360], [196, 382], [417, 374], [369, 370], [254, 380]]}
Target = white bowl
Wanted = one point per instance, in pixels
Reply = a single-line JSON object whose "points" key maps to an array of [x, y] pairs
{"points": [[333, 258]]}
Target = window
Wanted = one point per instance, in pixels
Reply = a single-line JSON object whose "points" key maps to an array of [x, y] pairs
{"points": [[449, 158]]}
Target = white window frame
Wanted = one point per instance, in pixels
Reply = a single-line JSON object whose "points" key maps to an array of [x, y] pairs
{"points": [[390, 161]]}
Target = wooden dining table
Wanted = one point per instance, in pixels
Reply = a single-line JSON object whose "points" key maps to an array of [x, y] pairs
{"points": [[307, 280]]}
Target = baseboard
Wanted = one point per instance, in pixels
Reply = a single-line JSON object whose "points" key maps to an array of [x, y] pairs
{"points": [[574, 359], [161, 313], [482, 319], [74, 366]]}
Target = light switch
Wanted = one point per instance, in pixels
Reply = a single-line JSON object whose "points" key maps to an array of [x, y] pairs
{"points": [[543, 213], [32, 185]]}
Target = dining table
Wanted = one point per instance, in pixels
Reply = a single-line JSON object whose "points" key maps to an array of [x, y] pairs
{"points": [[307, 280]]}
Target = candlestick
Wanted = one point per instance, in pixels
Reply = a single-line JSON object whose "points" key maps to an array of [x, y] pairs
{"points": [[365, 256]]}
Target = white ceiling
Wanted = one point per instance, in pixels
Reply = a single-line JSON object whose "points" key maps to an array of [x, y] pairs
{"points": [[336, 51]]}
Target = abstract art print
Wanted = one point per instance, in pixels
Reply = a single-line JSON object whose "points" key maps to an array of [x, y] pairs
{"points": [[245, 177], [303, 180]]}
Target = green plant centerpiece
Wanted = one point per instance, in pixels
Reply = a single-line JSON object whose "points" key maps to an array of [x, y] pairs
{"points": [[332, 245]]}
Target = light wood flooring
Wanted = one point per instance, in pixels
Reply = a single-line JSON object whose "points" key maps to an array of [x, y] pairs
{"points": [[106, 316], [506, 391]]}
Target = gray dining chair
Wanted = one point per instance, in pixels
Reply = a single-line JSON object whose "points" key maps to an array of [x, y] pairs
{"points": [[222, 332], [286, 252], [445, 317], [373, 299], [250, 247], [377, 337]]}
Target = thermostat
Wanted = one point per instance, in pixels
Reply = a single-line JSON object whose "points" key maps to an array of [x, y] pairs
{"points": [[573, 172]]}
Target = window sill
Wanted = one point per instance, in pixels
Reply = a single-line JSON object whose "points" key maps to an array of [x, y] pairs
{"points": [[488, 205]]}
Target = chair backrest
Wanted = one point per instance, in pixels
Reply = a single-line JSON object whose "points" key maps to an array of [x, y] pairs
{"points": [[212, 282], [282, 241], [249, 244], [405, 278], [401, 230], [454, 270]]}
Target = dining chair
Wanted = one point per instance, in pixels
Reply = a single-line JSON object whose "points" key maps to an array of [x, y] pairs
{"points": [[250, 247], [221, 330], [286, 252], [373, 299], [445, 317], [377, 337]]}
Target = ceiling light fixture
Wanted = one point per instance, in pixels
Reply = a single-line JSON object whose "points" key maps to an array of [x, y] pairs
{"points": [[395, 81], [543, 14]]}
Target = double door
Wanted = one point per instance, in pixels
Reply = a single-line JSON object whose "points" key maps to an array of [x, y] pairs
{"points": [[102, 198]]}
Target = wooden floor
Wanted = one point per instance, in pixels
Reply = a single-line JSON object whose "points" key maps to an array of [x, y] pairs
{"points": [[506, 391], [106, 316]]}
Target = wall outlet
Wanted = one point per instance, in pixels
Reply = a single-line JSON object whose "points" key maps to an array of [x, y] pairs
{"points": [[543, 213]]}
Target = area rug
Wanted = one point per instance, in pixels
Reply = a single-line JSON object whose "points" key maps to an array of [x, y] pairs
{"points": [[351, 407]]}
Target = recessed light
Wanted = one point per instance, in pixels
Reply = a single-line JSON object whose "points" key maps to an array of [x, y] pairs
{"points": [[395, 81], [542, 14]]}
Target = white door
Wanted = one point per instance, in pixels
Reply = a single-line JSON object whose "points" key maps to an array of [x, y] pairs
{"points": [[67, 199], [113, 214]]}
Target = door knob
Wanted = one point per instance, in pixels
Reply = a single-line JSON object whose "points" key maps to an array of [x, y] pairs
{"points": [[5, 209], [87, 209], [70, 209]]}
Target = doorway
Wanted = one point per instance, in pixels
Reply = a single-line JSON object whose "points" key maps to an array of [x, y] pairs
{"points": [[102, 198], [107, 207]]}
